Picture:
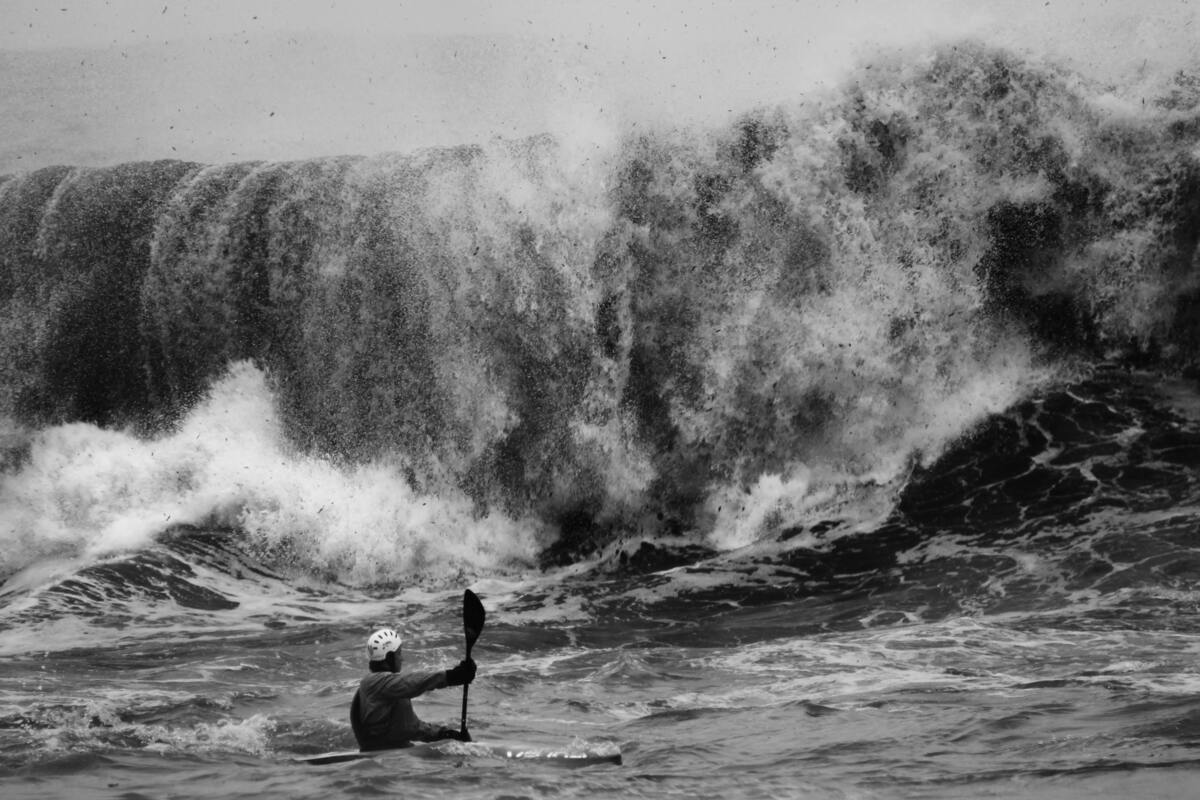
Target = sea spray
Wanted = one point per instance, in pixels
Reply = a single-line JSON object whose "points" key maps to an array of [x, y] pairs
{"points": [[87, 493]]}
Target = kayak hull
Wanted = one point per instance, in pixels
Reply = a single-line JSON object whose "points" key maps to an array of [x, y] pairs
{"points": [[564, 757]]}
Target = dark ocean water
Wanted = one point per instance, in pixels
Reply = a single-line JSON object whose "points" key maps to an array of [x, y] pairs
{"points": [[848, 452]]}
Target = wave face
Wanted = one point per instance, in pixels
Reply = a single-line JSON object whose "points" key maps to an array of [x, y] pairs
{"points": [[729, 333]]}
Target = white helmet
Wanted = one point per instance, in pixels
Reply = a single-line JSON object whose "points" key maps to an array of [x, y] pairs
{"points": [[382, 642]]}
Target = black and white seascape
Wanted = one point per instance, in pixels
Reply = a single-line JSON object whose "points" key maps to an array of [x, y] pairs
{"points": [[810, 392]]}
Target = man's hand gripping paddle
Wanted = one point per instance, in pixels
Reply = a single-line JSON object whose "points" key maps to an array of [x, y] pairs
{"points": [[473, 615]]}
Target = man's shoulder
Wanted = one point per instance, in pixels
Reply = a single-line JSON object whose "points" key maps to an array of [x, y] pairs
{"points": [[374, 682]]}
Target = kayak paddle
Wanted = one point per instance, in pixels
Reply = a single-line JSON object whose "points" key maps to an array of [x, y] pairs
{"points": [[473, 615]]}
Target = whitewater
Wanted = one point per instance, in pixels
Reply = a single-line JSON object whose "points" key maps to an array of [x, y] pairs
{"points": [[848, 449]]}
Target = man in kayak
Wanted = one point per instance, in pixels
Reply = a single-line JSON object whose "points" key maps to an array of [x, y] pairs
{"points": [[382, 714]]}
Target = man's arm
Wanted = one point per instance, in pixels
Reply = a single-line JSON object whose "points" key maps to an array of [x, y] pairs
{"points": [[396, 686]]}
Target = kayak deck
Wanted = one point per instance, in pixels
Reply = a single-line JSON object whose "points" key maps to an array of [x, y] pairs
{"points": [[564, 757]]}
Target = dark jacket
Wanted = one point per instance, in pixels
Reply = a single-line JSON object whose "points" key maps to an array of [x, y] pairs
{"points": [[383, 716]]}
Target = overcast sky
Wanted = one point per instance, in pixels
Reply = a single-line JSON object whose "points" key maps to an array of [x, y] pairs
{"points": [[32, 23], [218, 81], [1075, 26]]}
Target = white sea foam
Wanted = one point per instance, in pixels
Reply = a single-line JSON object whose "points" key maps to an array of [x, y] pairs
{"points": [[87, 493]]}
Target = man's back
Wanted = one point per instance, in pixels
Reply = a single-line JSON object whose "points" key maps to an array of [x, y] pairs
{"points": [[386, 713]]}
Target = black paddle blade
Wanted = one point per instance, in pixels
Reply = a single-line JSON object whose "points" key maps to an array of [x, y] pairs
{"points": [[473, 616]]}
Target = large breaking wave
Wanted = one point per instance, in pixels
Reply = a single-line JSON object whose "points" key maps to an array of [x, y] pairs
{"points": [[562, 341]]}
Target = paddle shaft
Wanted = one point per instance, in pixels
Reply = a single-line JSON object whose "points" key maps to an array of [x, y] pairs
{"points": [[466, 686]]}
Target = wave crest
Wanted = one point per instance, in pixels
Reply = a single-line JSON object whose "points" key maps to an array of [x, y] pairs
{"points": [[614, 333]]}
